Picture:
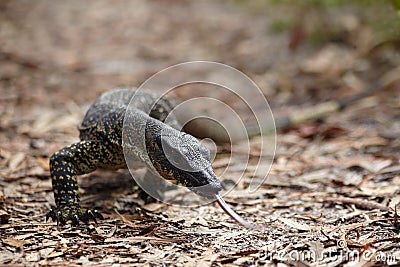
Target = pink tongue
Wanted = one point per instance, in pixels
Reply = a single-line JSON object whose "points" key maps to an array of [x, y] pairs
{"points": [[234, 215]]}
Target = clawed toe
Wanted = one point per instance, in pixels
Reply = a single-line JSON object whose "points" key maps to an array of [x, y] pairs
{"points": [[75, 214], [93, 214], [51, 214]]}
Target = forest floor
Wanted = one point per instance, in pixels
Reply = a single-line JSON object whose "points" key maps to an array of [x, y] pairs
{"points": [[331, 193]]}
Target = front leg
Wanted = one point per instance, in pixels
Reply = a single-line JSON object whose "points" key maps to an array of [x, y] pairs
{"points": [[76, 159]]}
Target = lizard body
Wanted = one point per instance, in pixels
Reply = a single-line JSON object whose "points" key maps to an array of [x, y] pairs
{"points": [[101, 147]]}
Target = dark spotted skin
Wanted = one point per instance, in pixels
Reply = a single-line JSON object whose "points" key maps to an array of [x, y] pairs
{"points": [[101, 147]]}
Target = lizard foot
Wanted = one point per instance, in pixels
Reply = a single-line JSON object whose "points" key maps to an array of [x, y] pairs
{"points": [[73, 213], [146, 197]]}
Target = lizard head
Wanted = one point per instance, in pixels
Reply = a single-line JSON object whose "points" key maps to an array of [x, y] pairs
{"points": [[181, 157]]}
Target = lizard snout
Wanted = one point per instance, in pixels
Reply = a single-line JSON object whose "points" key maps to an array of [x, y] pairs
{"points": [[205, 183]]}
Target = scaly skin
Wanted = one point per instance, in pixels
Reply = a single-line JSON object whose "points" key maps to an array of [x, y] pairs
{"points": [[101, 147]]}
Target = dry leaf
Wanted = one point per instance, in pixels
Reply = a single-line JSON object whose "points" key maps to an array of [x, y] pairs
{"points": [[332, 59], [34, 256], [376, 165], [14, 242], [295, 225], [199, 220], [15, 160]]}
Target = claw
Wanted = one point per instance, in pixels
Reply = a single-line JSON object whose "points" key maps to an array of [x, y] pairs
{"points": [[75, 220], [92, 215], [98, 215], [95, 214], [60, 219], [51, 214]]}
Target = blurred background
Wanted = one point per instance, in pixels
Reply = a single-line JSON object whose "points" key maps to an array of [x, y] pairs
{"points": [[56, 57], [53, 52]]}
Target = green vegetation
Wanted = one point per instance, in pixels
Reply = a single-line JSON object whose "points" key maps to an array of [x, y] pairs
{"points": [[381, 16]]}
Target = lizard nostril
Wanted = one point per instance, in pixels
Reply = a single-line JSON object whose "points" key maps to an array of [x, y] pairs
{"points": [[205, 183]]}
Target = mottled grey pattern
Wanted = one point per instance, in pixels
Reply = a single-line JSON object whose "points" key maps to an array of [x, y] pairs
{"points": [[102, 147]]}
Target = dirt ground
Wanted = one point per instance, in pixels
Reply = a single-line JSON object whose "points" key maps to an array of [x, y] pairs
{"points": [[331, 194]]}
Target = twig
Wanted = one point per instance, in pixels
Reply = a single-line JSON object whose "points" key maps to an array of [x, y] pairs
{"points": [[361, 203], [20, 60], [126, 221]]}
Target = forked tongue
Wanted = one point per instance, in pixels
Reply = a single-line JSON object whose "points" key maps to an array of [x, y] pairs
{"points": [[234, 215]]}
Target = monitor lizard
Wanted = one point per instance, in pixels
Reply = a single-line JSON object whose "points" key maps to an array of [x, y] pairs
{"points": [[101, 147]]}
